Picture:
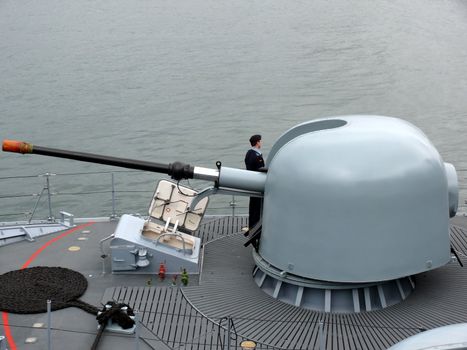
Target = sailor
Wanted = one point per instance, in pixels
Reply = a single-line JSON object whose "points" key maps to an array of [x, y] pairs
{"points": [[254, 161]]}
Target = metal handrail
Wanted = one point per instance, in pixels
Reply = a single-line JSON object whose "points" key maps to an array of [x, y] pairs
{"points": [[232, 205]]}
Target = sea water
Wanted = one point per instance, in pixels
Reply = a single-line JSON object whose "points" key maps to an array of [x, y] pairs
{"points": [[191, 80]]}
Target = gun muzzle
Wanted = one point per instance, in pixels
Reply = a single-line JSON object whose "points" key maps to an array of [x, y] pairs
{"points": [[16, 146]]}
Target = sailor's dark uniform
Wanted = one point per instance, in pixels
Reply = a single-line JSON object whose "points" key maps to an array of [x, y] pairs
{"points": [[254, 161]]}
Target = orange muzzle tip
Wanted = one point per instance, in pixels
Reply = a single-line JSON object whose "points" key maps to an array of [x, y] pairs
{"points": [[16, 146]]}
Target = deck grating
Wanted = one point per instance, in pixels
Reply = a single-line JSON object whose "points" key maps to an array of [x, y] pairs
{"points": [[187, 317]]}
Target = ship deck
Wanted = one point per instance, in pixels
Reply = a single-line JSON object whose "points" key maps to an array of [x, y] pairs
{"points": [[224, 296]]}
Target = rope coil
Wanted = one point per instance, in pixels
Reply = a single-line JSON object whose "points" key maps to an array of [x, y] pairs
{"points": [[26, 291]]}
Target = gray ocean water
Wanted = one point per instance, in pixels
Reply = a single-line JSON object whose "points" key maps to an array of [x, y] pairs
{"points": [[192, 80]]}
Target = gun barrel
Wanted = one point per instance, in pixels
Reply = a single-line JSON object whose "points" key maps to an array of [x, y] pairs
{"points": [[227, 178], [177, 170]]}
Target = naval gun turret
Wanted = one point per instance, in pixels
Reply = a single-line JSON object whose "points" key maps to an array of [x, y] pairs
{"points": [[354, 206]]}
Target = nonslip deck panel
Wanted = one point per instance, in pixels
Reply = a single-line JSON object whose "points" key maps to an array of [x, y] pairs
{"points": [[187, 317], [217, 227], [459, 240], [168, 316]]}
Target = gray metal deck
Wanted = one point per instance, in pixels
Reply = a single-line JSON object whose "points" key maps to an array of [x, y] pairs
{"points": [[187, 317]]}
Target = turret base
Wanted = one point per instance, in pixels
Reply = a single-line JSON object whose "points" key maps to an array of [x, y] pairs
{"points": [[328, 296]]}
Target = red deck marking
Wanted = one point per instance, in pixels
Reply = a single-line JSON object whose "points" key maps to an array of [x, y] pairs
{"points": [[6, 324], [53, 240], [8, 335]]}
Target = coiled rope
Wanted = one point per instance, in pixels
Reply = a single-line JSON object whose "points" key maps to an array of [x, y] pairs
{"points": [[26, 291]]}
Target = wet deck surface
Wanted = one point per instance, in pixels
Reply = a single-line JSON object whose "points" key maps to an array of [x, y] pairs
{"points": [[187, 317]]}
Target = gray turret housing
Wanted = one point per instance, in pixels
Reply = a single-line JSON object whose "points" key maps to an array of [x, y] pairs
{"points": [[355, 200]]}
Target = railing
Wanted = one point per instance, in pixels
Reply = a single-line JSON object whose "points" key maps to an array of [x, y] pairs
{"points": [[186, 328], [462, 178], [93, 194], [191, 330], [90, 194]]}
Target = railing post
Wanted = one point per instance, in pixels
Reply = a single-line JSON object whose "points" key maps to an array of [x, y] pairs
{"points": [[113, 215], [35, 206], [227, 341], [321, 335], [233, 204], [49, 320], [49, 195], [136, 330]]}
